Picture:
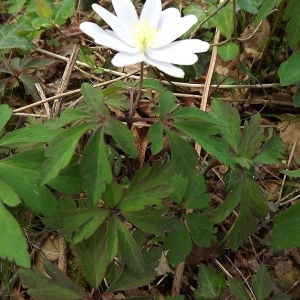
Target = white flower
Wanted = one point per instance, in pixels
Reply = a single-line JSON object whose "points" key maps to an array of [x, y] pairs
{"points": [[149, 37]]}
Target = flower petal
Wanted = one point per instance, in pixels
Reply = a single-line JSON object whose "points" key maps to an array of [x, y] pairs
{"points": [[168, 16], [166, 67], [179, 52], [168, 56], [193, 45], [125, 11], [116, 24], [151, 12], [172, 30], [106, 38], [122, 59]]}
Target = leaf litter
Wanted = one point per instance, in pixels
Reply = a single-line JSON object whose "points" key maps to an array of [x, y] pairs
{"points": [[283, 266]]}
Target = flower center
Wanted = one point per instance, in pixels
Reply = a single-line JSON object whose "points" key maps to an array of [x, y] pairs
{"points": [[143, 35]]}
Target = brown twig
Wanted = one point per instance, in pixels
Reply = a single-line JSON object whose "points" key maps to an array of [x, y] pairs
{"points": [[176, 83], [208, 80], [177, 282], [43, 97], [70, 93], [56, 108]]}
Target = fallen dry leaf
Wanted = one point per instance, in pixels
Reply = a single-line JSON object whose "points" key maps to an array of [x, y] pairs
{"points": [[254, 45], [282, 267], [290, 133], [53, 249]]}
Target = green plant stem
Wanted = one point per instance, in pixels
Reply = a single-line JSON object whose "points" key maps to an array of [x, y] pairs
{"points": [[139, 93]]}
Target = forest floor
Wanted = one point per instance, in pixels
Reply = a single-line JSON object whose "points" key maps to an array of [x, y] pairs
{"points": [[61, 80]]}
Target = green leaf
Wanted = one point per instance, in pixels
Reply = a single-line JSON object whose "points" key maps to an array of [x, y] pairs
{"points": [[286, 230], [151, 220], [117, 88], [36, 133], [223, 20], [200, 66], [112, 194], [227, 118], [118, 101], [60, 151], [266, 8], [10, 40], [155, 137], [58, 287], [272, 152], [179, 183], [251, 138], [13, 245], [289, 70], [229, 204], [252, 206], [68, 181], [5, 114], [244, 225], [31, 159], [12, 65], [96, 169], [93, 257], [39, 23], [235, 175], [128, 248], [85, 56], [35, 62], [291, 9], [196, 196], [201, 229], [29, 82], [8, 195], [94, 99], [211, 283], [190, 114], [43, 9], [228, 51], [237, 289], [196, 10], [16, 6], [148, 187], [204, 134], [249, 5], [179, 245], [112, 239], [63, 10], [123, 136], [291, 173], [254, 198], [153, 84], [167, 103], [23, 168], [67, 117], [77, 225], [128, 279], [243, 162], [261, 284], [291, 29], [184, 156]]}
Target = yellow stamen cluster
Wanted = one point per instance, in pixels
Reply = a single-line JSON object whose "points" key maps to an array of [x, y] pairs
{"points": [[143, 35]]}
